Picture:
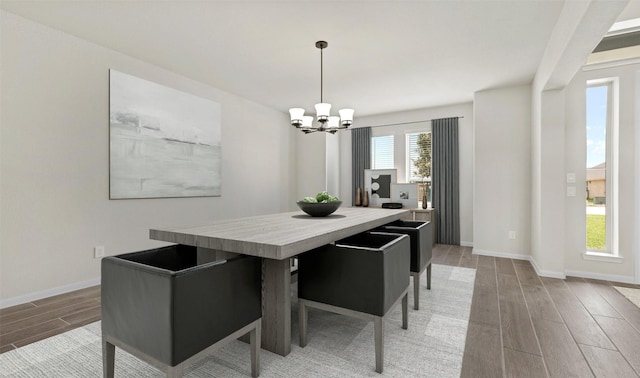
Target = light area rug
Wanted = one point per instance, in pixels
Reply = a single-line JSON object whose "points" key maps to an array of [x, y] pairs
{"points": [[338, 346], [632, 294]]}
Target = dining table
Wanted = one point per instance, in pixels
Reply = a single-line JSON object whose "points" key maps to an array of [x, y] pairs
{"points": [[277, 238]]}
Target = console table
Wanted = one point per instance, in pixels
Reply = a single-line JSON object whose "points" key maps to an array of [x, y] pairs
{"points": [[276, 238]]}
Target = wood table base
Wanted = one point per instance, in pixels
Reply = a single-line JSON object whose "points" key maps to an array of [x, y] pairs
{"points": [[276, 306]]}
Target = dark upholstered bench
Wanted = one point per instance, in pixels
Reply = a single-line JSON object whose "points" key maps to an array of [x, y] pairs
{"points": [[421, 252]]}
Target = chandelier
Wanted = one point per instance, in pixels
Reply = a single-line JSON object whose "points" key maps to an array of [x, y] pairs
{"points": [[326, 122]]}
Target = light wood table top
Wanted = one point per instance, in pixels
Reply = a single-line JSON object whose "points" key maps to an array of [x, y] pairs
{"points": [[278, 236]]}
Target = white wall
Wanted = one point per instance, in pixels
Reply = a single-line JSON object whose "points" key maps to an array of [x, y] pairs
{"points": [[465, 143], [317, 164], [629, 170], [580, 26], [536, 169], [311, 164], [502, 171], [637, 176], [333, 163], [54, 162], [550, 257]]}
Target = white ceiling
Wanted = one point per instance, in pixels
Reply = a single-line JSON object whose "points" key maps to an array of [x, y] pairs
{"points": [[383, 56]]}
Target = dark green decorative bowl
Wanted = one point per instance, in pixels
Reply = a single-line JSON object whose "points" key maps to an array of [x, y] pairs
{"points": [[319, 209]]}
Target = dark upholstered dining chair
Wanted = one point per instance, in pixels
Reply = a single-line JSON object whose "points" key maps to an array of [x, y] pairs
{"points": [[165, 308], [363, 276], [421, 243]]}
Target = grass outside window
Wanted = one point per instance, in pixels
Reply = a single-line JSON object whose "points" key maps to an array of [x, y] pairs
{"points": [[596, 232]]}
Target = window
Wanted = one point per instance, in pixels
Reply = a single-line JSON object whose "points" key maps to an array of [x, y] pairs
{"points": [[418, 157], [601, 130], [419, 163], [413, 152], [382, 152]]}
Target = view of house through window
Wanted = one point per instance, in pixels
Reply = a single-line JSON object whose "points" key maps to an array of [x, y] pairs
{"points": [[382, 152], [598, 204], [419, 163]]}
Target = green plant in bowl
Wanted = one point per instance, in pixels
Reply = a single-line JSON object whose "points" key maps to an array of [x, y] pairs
{"points": [[321, 205]]}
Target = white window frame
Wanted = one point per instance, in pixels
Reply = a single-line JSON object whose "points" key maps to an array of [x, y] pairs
{"points": [[611, 251], [373, 151]]}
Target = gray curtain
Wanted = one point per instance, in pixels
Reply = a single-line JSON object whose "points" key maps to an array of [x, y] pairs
{"points": [[361, 157], [446, 180]]}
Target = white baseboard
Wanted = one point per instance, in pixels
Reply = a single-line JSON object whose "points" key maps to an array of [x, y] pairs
{"points": [[546, 273], [517, 256], [553, 274], [466, 244], [48, 293], [600, 276], [507, 255]]}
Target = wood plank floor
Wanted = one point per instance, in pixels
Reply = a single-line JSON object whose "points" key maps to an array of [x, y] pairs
{"points": [[520, 325], [30, 322]]}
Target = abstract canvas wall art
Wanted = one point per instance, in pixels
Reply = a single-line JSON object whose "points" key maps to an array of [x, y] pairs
{"points": [[163, 142], [378, 183]]}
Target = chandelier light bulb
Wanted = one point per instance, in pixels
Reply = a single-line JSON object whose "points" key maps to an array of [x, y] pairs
{"points": [[346, 116], [296, 116], [323, 110], [307, 122]]}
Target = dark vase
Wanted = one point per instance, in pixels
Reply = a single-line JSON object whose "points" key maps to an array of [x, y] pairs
{"points": [[365, 200], [424, 201], [358, 197]]}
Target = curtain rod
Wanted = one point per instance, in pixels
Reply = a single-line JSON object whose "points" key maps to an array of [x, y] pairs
{"points": [[404, 123]]}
